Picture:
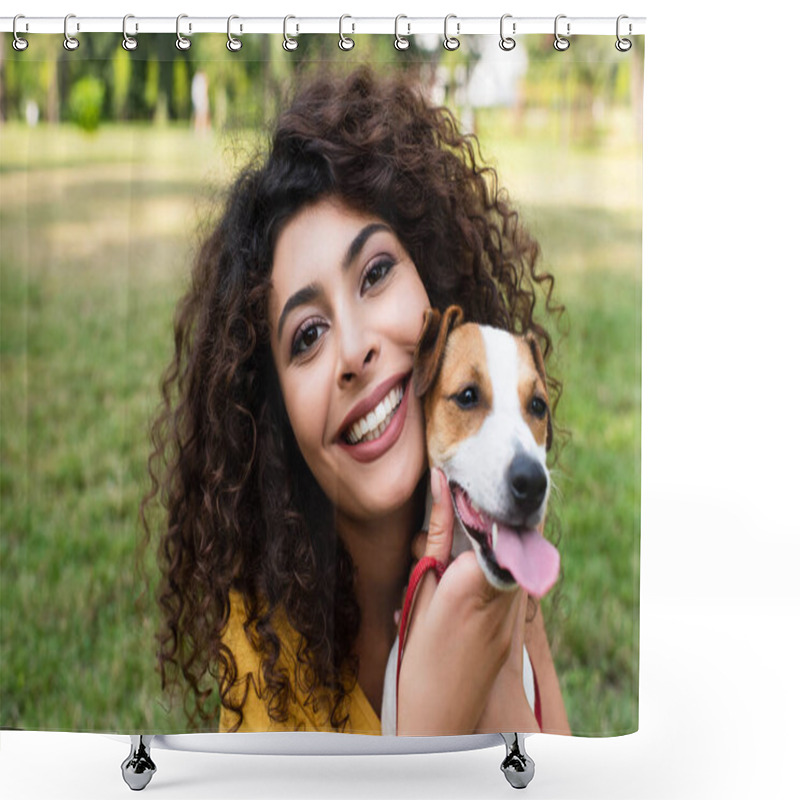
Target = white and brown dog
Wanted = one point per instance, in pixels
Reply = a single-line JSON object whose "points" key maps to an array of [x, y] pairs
{"points": [[488, 428]]}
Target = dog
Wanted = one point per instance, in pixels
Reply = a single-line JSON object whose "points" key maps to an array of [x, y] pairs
{"points": [[488, 429]]}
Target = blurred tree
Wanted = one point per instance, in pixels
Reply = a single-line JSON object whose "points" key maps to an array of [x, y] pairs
{"points": [[85, 104], [580, 85], [2, 81], [181, 107], [151, 85], [50, 77], [122, 68]]}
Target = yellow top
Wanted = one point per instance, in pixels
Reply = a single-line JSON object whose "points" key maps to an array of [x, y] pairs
{"points": [[304, 714]]}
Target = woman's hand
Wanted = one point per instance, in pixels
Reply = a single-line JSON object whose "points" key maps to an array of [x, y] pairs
{"points": [[462, 634], [507, 707]]}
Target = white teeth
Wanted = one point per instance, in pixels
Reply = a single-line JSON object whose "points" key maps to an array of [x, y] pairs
{"points": [[376, 421], [494, 535]]}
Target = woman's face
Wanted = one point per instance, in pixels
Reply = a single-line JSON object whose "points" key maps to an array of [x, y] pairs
{"points": [[346, 310]]}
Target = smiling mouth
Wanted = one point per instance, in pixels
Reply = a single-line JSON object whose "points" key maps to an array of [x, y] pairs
{"points": [[375, 422]]}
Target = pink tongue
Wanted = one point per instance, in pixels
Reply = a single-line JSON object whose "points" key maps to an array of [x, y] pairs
{"points": [[529, 557]]}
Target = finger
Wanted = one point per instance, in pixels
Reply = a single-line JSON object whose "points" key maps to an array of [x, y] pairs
{"points": [[468, 580], [437, 542], [440, 528], [519, 624], [418, 544]]}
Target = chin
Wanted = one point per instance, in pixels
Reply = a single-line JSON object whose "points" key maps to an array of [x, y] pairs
{"points": [[385, 492]]}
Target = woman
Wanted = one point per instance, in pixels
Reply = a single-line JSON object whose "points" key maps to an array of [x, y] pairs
{"points": [[290, 524]]}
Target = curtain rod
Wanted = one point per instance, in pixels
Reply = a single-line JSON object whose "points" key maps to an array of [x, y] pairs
{"points": [[187, 25]]}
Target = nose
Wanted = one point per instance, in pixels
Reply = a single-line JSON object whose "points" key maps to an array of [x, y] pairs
{"points": [[358, 348], [528, 481]]}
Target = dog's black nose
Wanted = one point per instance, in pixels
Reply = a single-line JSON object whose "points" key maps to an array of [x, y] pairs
{"points": [[528, 482]]}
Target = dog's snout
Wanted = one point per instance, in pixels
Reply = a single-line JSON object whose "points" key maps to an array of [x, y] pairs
{"points": [[528, 481]]}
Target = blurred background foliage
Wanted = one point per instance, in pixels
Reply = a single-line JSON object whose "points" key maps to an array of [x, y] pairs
{"points": [[154, 82], [111, 167]]}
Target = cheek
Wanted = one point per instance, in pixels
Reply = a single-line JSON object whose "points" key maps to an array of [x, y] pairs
{"points": [[305, 401], [539, 430], [409, 308]]}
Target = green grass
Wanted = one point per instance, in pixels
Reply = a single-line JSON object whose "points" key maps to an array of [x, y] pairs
{"points": [[598, 479], [96, 234]]}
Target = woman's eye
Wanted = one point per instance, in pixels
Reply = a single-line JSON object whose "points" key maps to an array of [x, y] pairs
{"points": [[538, 407], [377, 272], [306, 337], [467, 398]]}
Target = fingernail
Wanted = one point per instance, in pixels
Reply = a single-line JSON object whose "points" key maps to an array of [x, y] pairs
{"points": [[436, 489]]}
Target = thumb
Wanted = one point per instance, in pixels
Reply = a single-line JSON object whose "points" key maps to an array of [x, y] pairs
{"points": [[440, 527]]}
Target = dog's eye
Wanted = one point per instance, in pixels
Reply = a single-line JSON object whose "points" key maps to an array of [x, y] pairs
{"points": [[467, 398], [538, 407]]}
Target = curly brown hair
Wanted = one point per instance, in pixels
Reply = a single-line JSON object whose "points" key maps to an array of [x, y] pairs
{"points": [[243, 510]]}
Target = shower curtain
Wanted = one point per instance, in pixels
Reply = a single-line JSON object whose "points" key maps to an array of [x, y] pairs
{"points": [[114, 165]]}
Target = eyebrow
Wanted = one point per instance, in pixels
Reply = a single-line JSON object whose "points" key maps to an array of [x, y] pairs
{"points": [[311, 292], [306, 295], [360, 240]]}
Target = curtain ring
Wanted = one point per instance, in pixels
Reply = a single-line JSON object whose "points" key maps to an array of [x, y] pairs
{"points": [[345, 42], [234, 44], [128, 42], [561, 44], [451, 42], [70, 42], [19, 44], [182, 43], [400, 42], [289, 42], [506, 42], [623, 45]]}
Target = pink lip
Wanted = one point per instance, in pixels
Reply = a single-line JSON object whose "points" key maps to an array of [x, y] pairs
{"points": [[369, 451]]}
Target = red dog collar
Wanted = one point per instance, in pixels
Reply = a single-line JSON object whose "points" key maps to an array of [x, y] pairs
{"points": [[423, 566]]}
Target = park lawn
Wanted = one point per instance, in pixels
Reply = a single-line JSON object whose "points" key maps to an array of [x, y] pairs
{"points": [[96, 235]]}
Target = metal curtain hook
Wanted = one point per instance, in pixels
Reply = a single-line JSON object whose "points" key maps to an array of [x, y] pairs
{"points": [[128, 42], [507, 42], [289, 43], [623, 45], [233, 44], [451, 42], [19, 44], [400, 42], [70, 42], [345, 42], [182, 43], [561, 44]]}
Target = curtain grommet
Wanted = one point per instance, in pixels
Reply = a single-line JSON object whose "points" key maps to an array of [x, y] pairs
{"points": [[507, 43], [345, 42], [400, 42], [289, 42], [623, 45], [233, 44], [561, 44], [182, 43], [451, 42], [70, 42], [19, 44], [128, 42]]}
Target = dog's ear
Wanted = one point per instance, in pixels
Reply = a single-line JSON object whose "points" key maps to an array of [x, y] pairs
{"points": [[430, 348], [538, 360]]}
